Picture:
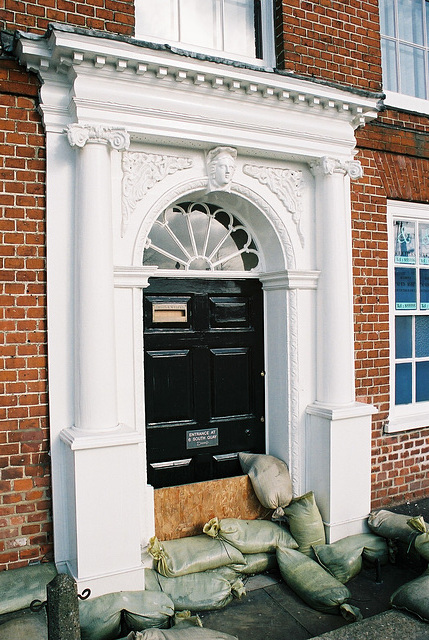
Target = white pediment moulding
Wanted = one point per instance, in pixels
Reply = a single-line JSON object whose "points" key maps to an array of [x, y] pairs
{"points": [[141, 171], [66, 51], [80, 134], [286, 184], [328, 166], [290, 279]]}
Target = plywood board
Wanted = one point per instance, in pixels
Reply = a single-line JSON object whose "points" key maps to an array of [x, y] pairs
{"points": [[182, 511]]}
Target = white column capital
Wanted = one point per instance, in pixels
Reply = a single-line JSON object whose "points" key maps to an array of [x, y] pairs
{"points": [[327, 166], [81, 134]]}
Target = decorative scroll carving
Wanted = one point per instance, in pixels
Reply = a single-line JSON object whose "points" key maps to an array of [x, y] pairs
{"points": [[79, 134], [286, 184], [141, 171], [221, 168], [328, 166]]}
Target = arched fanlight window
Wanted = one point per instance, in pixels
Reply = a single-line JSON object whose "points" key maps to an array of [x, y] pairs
{"points": [[200, 236]]}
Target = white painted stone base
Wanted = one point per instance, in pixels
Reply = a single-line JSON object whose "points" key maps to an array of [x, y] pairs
{"points": [[104, 503], [338, 462]]}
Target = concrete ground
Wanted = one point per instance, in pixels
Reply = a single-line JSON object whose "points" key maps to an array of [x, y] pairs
{"points": [[271, 610]]}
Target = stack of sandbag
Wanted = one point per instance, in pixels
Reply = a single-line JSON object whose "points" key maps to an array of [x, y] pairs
{"points": [[196, 572], [400, 536], [413, 596], [107, 617]]}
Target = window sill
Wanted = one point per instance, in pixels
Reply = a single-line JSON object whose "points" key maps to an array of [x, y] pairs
{"points": [[406, 103], [396, 423]]}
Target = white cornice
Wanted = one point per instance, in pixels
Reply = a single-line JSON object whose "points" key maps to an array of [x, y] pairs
{"points": [[72, 53]]}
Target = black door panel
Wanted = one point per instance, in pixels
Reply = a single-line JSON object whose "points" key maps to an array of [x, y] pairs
{"points": [[203, 383]]}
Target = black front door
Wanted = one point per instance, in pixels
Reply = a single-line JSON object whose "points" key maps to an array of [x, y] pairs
{"points": [[204, 378]]}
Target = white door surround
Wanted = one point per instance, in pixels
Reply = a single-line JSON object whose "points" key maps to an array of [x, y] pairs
{"points": [[128, 130]]}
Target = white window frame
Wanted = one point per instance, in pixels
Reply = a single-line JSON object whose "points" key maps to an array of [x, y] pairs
{"points": [[402, 100], [415, 415], [267, 19]]}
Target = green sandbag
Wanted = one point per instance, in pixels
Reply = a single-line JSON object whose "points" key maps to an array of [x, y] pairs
{"points": [[176, 633], [258, 563], [250, 536], [19, 587], [421, 542], [311, 582], [393, 526], [305, 522], [203, 591], [192, 555], [270, 478], [413, 597], [343, 558], [100, 618], [146, 609], [30, 626]]}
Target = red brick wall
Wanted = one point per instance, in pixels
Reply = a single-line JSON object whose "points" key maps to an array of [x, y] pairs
{"points": [[115, 16], [333, 40], [400, 462], [25, 527]]}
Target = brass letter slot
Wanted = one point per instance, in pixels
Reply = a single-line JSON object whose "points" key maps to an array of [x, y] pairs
{"points": [[166, 312]]}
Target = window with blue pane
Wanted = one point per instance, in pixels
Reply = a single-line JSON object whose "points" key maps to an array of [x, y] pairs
{"points": [[411, 272], [404, 26]]}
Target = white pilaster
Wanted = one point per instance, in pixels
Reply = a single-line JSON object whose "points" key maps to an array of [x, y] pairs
{"points": [[103, 459], [338, 438]]}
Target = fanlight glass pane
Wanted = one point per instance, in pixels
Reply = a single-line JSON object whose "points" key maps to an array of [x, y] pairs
{"points": [[200, 236]]}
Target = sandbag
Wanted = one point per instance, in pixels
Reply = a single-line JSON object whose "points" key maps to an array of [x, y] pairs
{"points": [[30, 626], [250, 536], [312, 583], [258, 563], [343, 558], [421, 542], [19, 587], [203, 591], [191, 555], [176, 633], [269, 477], [146, 609], [413, 597], [305, 522], [100, 618], [393, 526]]}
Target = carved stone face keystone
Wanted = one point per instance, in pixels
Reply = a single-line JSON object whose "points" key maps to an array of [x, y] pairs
{"points": [[221, 168]]}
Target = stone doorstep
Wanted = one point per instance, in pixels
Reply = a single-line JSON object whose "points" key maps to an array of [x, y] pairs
{"points": [[389, 625]]}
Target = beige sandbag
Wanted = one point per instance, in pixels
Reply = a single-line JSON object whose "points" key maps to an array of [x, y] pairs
{"points": [[19, 587], [413, 597], [269, 477], [393, 526], [343, 558], [29, 626], [203, 591], [250, 536], [176, 633], [191, 555], [314, 585], [421, 542], [305, 522], [100, 618], [258, 563]]}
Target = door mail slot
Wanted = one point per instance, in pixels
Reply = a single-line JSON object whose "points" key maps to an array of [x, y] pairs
{"points": [[169, 312]]}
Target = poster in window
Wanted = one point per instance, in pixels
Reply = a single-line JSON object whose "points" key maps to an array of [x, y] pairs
{"points": [[424, 243], [424, 289], [405, 242], [405, 288]]}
